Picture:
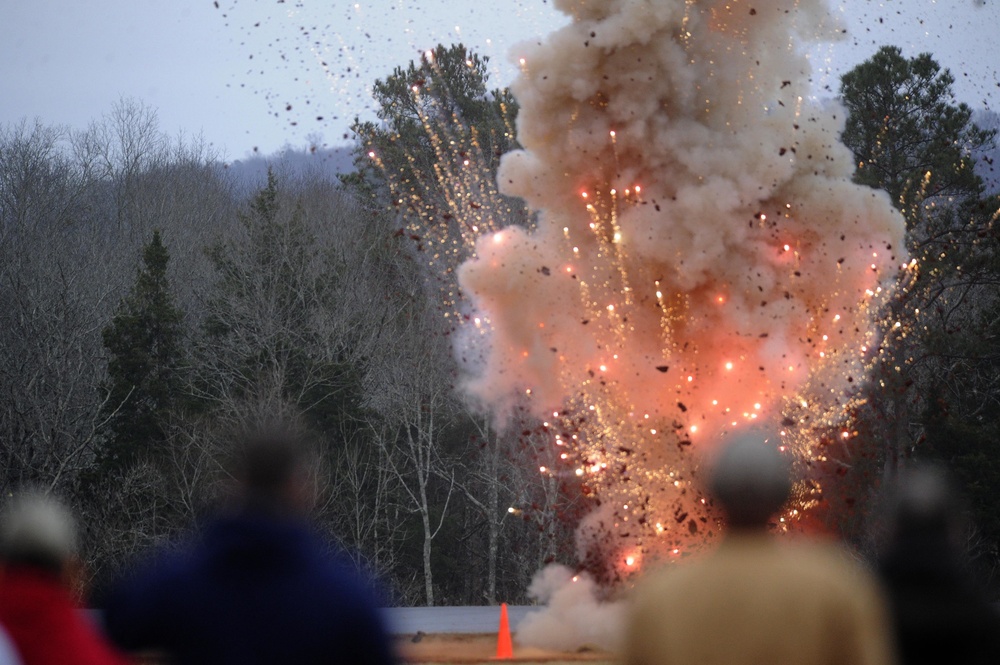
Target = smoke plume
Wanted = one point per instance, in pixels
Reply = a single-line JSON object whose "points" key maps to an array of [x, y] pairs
{"points": [[702, 260], [574, 615]]}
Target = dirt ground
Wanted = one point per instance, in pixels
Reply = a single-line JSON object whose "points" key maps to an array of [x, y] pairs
{"points": [[481, 648]]}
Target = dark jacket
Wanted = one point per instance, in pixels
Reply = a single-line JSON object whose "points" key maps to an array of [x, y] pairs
{"points": [[44, 623], [939, 614], [252, 589]]}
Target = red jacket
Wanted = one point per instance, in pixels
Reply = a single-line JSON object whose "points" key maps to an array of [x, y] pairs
{"points": [[45, 624]]}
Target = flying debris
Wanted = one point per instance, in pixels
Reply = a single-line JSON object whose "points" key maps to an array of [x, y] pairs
{"points": [[652, 132]]}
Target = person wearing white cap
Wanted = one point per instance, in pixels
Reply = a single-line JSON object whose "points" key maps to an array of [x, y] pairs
{"points": [[38, 608]]}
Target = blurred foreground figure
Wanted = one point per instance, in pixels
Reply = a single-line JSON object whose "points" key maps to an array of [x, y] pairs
{"points": [[38, 610], [939, 614], [8, 653], [257, 586], [757, 599]]}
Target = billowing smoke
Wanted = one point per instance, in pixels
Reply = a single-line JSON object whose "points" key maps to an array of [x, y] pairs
{"points": [[702, 260], [575, 615]]}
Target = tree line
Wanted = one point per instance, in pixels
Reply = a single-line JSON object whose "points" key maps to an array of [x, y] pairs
{"points": [[152, 303]]}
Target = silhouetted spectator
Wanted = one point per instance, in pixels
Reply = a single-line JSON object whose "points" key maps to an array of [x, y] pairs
{"points": [[257, 585], [939, 614], [37, 606], [757, 599]]}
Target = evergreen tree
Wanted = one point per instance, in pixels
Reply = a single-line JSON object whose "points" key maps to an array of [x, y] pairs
{"points": [[435, 117], [909, 135], [936, 382], [145, 355], [429, 166]]}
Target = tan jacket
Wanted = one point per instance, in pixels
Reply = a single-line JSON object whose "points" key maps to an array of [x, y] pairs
{"points": [[762, 601]]}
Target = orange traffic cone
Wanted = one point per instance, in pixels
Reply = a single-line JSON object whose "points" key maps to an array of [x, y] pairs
{"points": [[505, 649]]}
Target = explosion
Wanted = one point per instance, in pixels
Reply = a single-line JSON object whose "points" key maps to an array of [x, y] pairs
{"points": [[701, 260]]}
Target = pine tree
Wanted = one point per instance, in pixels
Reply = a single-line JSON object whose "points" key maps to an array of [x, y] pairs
{"points": [[911, 138], [936, 384], [909, 135], [145, 358], [435, 115]]}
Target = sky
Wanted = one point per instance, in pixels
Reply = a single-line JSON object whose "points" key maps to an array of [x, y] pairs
{"points": [[259, 75]]}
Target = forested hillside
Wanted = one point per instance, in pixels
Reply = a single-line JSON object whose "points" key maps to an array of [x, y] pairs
{"points": [[153, 304], [154, 301]]}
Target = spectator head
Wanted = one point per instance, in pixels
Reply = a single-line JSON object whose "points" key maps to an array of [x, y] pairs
{"points": [[925, 504], [37, 531], [272, 470], [751, 480]]}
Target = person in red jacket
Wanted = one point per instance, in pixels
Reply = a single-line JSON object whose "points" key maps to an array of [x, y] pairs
{"points": [[38, 609]]}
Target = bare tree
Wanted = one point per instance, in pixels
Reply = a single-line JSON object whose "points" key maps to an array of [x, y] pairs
{"points": [[409, 384], [64, 265]]}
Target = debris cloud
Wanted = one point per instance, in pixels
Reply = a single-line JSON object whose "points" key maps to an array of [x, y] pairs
{"points": [[701, 263], [574, 616]]}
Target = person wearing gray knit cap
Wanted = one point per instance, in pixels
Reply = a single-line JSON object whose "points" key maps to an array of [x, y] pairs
{"points": [[759, 598]]}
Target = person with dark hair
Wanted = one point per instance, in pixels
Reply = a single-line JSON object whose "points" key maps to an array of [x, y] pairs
{"points": [[757, 599], [38, 610], [938, 613], [257, 585]]}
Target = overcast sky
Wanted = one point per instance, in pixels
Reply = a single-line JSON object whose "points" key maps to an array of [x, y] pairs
{"points": [[231, 71]]}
